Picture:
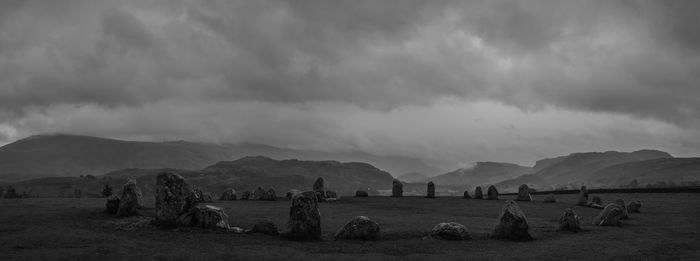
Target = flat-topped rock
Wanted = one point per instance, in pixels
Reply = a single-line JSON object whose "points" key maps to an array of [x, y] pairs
{"points": [[582, 197], [130, 200], [172, 200]]}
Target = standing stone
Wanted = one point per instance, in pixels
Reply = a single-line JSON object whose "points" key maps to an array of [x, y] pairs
{"points": [[583, 197], [524, 193], [271, 195], [171, 197], [450, 231], [112, 204], [610, 216], [361, 194], [431, 189], [492, 193], [569, 221], [291, 193], [512, 224], [550, 198], [264, 227], [246, 195], [205, 216], [359, 228], [478, 194], [304, 218], [229, 194], [597, 200], [466, 194], [129, 200], [634, 206], [319, 189], [621, 203], [259, 194], [396, 188]]}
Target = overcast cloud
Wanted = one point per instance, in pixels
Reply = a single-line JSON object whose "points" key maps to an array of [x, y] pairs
{"points": [[451, 82]]}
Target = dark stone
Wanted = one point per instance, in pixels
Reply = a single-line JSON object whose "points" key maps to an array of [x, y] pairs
{"points": [[171, 198], [396, 188], [205, 216], [512, 224], [271, 195], [583, 197], [361, 194], [319, 189], [633, 206], [264, 227], [246, 195], [431, 190], [570, 221], [621, 203], [466, 194], [359, 228], [259, 194], [597, 200], [450, 231], [304, 218], [129, 200], [112, 204], [610, 216], [524, 193], [229, 194], [478, 194], [291, 193], [492, 193], [331, 194], [550, 198]]}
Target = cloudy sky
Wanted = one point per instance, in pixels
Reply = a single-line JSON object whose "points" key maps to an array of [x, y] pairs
{"points": [[447, 81]]}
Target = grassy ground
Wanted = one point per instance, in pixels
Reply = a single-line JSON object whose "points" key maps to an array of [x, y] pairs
{"points": [[76, 229]]}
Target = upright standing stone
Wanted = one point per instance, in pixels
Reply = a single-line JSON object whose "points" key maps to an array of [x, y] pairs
{"points": [[359, 228], [583, 197], [478, 194], [634, 206], [171, 197], [397, 188], [466, 194], [319, 189], [271, 195], [610, 216], [524, 193], [304, 217], [229, 194], [570, 221], [492, 193], [512, 224], [246, 195], [550, 198], [112, 204], [621, 203], [129, 200], [259, 194], [431, 189]]}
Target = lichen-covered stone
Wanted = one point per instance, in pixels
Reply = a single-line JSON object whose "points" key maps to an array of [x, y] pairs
{"points": [[319, 189], [246, 195], [396, 188], [524, 193], [205, 216], [129, 200], [512, 224], [431, 190], [171, 198], [634, 206], [570, 221], [304, 218], [450, 231], [359, 228], [478, 194], [492, 193], [229, 194], [610, 216]]}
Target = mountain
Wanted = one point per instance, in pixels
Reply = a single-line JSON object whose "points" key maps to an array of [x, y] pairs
{"points": [[72, 155], [242, 174], [482, 173], [577, 167], [531, 180], [677, 170], [412, 177]]}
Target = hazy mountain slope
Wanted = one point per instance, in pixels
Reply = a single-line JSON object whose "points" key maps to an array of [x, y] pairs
{"points": [[512, 185], [648, 172], [412, 177], [482, 173], [575, 168], [71, 155]]}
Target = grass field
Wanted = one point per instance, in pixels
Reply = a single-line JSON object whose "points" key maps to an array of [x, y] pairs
{"points": [[76, 229]]}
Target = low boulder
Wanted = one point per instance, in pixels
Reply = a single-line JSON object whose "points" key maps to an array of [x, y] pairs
{"points": [[582, 197], [264, 227], [450, 231], [512, 224], [396, 188], [112, 204], [492, 193], [478, 194], [570, 221], [524, 193], [466, 194], [129, 200], [361, 194], [304, 218], [206, 216], [246, 195], [634, 206], [359, 228], [610, 216], [550, 198], [431, 190], [621, 203], [229, 194]]}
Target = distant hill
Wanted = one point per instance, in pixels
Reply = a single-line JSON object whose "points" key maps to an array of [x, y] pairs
{"points": [[412, 177], [72, 155], [481, 173], [531, 180], [676, 170]]}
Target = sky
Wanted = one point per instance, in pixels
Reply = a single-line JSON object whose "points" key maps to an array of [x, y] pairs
{"points": [[449, 82]]}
